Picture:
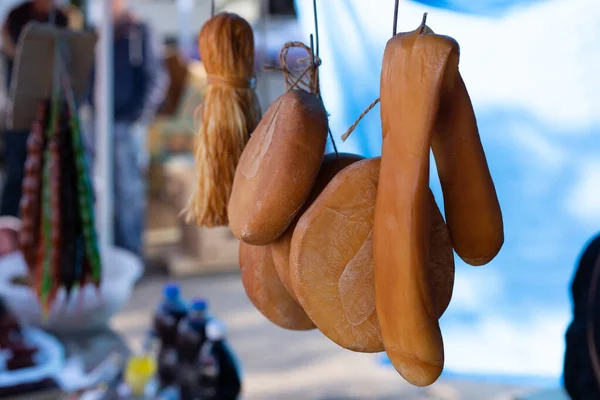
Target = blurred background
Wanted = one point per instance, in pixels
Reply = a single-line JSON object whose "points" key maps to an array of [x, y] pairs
{"points": [[531, 68]]}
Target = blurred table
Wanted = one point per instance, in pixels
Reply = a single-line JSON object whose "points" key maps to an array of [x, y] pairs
{"points": [[92, 347]]}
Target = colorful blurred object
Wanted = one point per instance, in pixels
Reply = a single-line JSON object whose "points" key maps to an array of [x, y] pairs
{"points": [[140, 370]]}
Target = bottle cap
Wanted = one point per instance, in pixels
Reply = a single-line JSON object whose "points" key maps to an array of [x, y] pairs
{"points": [[199, 305], [215, 330], [171, 290]]}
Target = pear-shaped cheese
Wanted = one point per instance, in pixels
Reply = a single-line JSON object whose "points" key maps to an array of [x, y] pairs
{"points": [[265, 291], [331, 259], [278, 168], [332, 164]]}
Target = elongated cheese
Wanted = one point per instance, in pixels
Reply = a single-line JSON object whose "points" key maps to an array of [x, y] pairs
{"points": [[411, 81], [470, 201]]}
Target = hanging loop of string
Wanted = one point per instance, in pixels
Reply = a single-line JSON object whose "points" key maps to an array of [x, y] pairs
{"points": [[307, 75], [303, 77]]}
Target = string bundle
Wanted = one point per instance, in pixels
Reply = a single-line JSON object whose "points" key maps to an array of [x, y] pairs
{"points": [[228, 115]]}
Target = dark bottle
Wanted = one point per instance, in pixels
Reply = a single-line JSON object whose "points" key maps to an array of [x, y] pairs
{"points": [[208, 364], [187, 382], [200, 380], [166, 320], [229, 383], [191, 332], [168, 314]]}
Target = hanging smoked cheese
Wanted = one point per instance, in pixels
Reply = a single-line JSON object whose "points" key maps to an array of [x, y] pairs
{"points": [[424, 104], [229, 112], [332, 164], [470, 201], [278, 167], [411, 83], [266, 292], [331, 259]]}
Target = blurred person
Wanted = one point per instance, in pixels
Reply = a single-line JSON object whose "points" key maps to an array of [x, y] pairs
{"points": [[581, 370], [14, 141], [9, 234], [140, 83], [76, 17]]}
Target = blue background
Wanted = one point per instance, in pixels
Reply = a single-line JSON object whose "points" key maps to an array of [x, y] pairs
{"points": [[531, 68]]}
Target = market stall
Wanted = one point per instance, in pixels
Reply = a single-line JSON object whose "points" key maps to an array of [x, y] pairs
{"points": [[344, 227]]}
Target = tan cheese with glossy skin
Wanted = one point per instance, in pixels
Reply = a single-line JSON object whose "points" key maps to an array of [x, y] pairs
{"points": [[278, 168], [265, 291], [332, 164], [470, 202], [331, 259], [411, 80]]}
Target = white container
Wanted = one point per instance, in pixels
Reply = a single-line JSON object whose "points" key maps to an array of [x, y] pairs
{"points": [[120, 270]]}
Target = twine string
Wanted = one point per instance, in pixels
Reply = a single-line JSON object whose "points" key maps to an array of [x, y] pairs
{"points": [[307, 75], [373, 104], [303, 77], [360, 117]]}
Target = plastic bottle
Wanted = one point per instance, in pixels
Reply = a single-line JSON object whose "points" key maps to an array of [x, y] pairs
{"points": [[168, 314], [166, 321], [208, 363], [191, 332], [199, 380], [229, 380]]}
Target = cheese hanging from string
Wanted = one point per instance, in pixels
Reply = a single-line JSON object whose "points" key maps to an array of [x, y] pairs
{"points": [[265, 290], [229, 113], [423, 103], [332, 164], [413, 69], [279, 166], [470, 202], [331, 259], [370, 261]]}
